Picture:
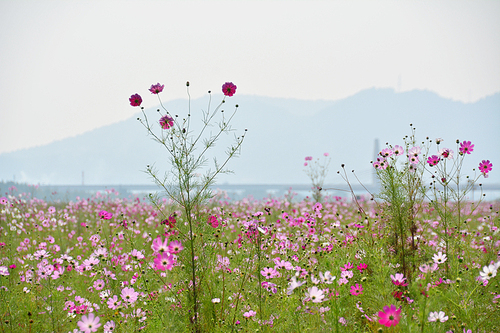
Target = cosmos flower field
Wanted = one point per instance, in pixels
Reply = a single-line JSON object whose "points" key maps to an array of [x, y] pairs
{"points": [[104, 264]]}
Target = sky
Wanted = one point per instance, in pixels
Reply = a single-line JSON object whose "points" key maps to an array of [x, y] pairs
{"points": [[67, 67]]}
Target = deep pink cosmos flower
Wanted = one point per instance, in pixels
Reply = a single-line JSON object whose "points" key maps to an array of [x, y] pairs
{"points": [[466, 147], [89, 324], [485, 166], [362, 267], [390, 316], [166, 122], [228, 89], [213, 221], [356, 290], [104, 215], [156, 88], [433, 160], [135, 100]]}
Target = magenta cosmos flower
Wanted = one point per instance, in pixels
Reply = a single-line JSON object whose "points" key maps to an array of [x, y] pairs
{"points": [[228, 89], [89, 324], [485, 166], [156, 88], [466, 147], [433, 160], [356, 290], [166, 122], [135, 100], [390, 316], [104, 215]]}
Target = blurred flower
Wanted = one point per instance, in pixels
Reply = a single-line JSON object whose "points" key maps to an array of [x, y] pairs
{"points": [[435, 316], [135, 100], [228, 89], [390, 316], [293, 284], [104, 215], [89, 324], [156, 88]]}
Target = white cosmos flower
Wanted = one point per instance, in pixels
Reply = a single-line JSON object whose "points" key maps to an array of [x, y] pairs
{"points": [[435, 316], [439, 258], [293, 284], [488, 272]]}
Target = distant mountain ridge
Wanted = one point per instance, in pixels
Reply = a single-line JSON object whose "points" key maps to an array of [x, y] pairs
{"points": [[280, 134]]}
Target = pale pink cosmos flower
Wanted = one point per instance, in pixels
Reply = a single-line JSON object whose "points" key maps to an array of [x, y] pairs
{"points": [[249, 314], [269, 273], [129, 295], [386, 152], [399, 280], [414, 151], [109, 327], [159, 246], [315, 295], [293, 284], [446, 153], [89, 324], [113, 302], [398, 150]]}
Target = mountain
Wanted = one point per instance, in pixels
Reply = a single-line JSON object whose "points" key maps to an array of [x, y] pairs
{"points": [[281, 132]]}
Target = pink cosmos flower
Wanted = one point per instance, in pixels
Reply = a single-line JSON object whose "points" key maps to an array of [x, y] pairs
{"points": [[99, 284], [129, 295], [362, 267], [308, 158], [135, 100], [175, 247], [315, 295], [269, 273], [164, 261], [228, 89], [212, 220], [249, 314], [390, 316], [89, 324], [159, 246], [485, 166], [413, 159], [3, 200], [386, 152], [414, 151], [399, 280], [356, 290], [104, 215], [156, 88], [433, 160], [113, 302], [326, 154], [466, 147], [109, 327], [166, 122], [398, 150], [347, 267]]}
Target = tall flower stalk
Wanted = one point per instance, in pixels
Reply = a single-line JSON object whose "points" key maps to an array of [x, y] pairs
{"points": [[188, 180]]}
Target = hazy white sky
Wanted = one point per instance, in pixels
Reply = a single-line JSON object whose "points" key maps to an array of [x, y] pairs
{"points": [[69, 66]]}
